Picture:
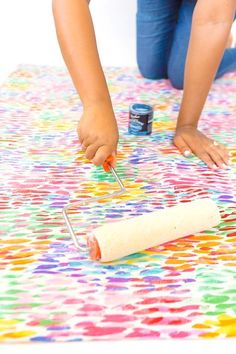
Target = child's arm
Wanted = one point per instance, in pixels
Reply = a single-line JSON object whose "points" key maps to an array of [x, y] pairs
{"points": [[212, 21], [98, 132]]}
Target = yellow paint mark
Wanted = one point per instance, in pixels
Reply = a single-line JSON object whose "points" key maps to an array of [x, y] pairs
{"points": [[201, 326], [162, 126], [8, 322], [41, 242], [209, 335], [18, 269], [227, 320], [22, 261], [20, 334], [231, 239], [225, 324]]}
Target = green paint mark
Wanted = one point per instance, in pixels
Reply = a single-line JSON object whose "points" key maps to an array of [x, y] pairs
{"points": [[15, 291], [8, 298], [48, 322], [215, 299]]}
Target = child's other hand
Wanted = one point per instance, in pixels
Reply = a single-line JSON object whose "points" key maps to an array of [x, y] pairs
{"points": [[189, 141], [98, 133]]}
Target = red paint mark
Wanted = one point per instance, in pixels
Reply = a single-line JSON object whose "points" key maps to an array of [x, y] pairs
{"points": [[177, 321], [166, 321], [184, 308], [166, 300], [149, 301], [152, 320], [231, 234], [147, 311]]}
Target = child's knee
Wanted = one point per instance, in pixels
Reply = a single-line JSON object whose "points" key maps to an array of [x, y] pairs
{"points": [[150, 71], [176, 75]]}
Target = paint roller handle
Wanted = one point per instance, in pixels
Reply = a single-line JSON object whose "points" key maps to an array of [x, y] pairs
{"points": [[92, 243], [107, 166], [108, 163]]}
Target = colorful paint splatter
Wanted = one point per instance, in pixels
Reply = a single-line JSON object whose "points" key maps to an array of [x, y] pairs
{"points": [[49, 292]]}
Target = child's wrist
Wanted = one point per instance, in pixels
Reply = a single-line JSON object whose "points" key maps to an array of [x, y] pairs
{"points": [[98, 101]]}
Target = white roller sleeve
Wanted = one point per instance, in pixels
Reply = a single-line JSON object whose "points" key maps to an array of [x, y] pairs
{"points": [[136, 234]]}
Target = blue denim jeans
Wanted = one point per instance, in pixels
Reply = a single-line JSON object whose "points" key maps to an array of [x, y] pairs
{"points": [[163, 31]]}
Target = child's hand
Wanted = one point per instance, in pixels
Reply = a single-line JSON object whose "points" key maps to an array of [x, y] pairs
{"points": [[189, 141], [98, 133]]}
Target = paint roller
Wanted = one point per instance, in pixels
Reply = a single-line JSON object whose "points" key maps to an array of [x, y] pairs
{"points": [[118, 239]]}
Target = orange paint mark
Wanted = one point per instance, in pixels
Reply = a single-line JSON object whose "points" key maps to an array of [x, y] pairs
{"points": [[21, 255], [230, 264], [175, 261], [204, 238], [183, 254], [185, 267], [227, 258], [208, 244], [14, 241]]}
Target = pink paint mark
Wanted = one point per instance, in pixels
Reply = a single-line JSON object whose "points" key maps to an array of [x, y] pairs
{"points": [[95, 331], [179, 334], [90, 308], [143, 333], [118, 318]]}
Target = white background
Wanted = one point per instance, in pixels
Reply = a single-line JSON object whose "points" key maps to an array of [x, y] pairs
{"points": [[27, 35]]}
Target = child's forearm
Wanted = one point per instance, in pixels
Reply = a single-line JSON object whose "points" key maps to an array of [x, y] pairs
{"points": [[211, 26], [78, 45]]}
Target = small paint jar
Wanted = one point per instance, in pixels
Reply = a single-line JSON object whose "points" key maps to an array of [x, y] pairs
{"points": [[140, 119]]}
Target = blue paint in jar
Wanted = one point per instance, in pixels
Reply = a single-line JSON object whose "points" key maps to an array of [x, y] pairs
{"points": [[140, 119]]}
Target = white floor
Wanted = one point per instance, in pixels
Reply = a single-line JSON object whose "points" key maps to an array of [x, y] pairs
{"points": [[131, 347]]}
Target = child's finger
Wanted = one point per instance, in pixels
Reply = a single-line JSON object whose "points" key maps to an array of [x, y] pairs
{"points": [[223, 153], [90, 151], [101, 155], [182, 146], [199, 151], [205, 157], [217, 155]]}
